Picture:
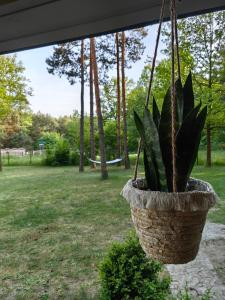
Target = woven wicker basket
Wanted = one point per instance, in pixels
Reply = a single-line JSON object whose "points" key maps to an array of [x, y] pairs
{"points": [[170, 225]]}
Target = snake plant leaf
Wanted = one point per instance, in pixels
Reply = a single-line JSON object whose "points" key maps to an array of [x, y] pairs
{"points": [[155, 113], [200, 123], [151, 173], [165, 138], [188, 95], [148, 174], [187, 142], [179, 101], [152, 148]]}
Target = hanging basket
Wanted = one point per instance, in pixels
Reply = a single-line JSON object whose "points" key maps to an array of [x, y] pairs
{"points": [[170, 225]]}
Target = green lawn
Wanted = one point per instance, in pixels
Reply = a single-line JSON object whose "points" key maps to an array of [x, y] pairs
{"points": [[56, 225]]}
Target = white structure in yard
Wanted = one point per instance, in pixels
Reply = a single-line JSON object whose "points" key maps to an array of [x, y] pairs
{"points": [[13, 151]]}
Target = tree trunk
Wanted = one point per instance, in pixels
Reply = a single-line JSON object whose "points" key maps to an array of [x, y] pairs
{"points": [[208, 126], [118, 109], [209, 146], [125, 143], [81, 167], [92, 135], [99, 112]]}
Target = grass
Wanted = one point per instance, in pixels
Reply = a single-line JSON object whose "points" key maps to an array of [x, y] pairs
{"points": [[26, 160], [218, 157], [56, 225]]}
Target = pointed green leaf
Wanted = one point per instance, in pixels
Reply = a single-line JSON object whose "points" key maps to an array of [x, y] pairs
{"points": [[155, 113], [200, 123], [165, 138], [152, 148], [151, 175], [179, 102], [148, 177], [188, 95], [187, 142]]}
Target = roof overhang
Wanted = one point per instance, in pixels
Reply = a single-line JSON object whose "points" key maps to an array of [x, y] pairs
{"points": [[26, 24]]}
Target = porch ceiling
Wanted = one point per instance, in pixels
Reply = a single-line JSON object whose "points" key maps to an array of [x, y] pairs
{"points": [[27, 24]]}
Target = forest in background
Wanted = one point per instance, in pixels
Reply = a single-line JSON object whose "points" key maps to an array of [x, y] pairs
{"points": [[108, 129]]}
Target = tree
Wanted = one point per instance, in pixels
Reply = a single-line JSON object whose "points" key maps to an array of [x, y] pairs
{"points": [[98, 110], [81, 166], [133, 43], [41, 123], [203, 37], [118, 133], [92, 136], [14, 90], [69, 60], [126, 153]]}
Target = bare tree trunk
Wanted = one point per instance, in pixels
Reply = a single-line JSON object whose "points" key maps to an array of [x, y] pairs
{"points": [[92, 135], [209, 146], [118, 109], [99, 112], [208, 126], [125, 143], [81, 167]]}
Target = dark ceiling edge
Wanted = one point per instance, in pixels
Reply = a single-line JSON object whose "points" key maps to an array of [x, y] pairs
{"points": [[27, 8], [137, 25]]}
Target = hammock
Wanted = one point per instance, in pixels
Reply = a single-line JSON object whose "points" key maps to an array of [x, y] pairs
{"points": [[109, 162]]}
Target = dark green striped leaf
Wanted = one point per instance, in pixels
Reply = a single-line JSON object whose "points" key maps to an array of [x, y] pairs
{"points": [[188, 95], [155, 113]]}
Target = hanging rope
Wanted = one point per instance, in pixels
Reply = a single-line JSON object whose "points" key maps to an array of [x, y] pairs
{"points": [[150, 81], [177, 43], [173, 95]]}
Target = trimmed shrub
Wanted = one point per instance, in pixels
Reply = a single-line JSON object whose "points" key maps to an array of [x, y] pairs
{"points": [[126, 273]]}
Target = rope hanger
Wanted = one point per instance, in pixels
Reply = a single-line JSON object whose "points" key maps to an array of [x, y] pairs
{"points": [[174, 48]]}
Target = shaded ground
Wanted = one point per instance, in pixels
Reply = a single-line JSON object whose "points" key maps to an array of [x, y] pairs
{"points": [[207, 271], [56, 225]]}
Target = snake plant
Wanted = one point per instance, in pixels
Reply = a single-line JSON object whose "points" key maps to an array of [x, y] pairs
{"points": [[155, 131]]}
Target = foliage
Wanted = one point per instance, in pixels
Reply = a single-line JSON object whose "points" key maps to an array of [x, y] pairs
{"points": [[13, 86], [62, 153], [19, 140], [110, 139], [126, 273], [50, 139], [40, 124], [155, 131], [65, 60], [58, 154], [202, 38]]}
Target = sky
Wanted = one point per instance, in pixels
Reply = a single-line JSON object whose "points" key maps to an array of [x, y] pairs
{"points": [[54, 95]]}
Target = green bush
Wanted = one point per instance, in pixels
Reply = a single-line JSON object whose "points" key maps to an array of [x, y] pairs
{"points": [[74, 158], [59, 155], [62, 153], [126, 273], [49, 157]]}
